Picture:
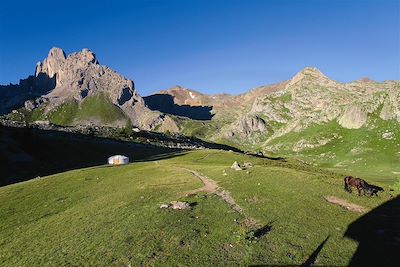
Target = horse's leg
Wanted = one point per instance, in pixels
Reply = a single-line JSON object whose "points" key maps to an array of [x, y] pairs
{"points": [[346, 188]]}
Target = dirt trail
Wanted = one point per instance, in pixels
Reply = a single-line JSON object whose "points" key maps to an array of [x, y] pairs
{"points": [[210, 186], [345, 204]]}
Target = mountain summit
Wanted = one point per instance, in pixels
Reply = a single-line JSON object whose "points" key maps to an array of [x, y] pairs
{"points": [[76, 90], [79, 75]]}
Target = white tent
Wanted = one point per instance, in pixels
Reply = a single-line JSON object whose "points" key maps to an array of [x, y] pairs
{"points": [[118, 160]]}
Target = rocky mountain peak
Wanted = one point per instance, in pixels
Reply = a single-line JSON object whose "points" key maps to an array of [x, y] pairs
{"points": [[52, 63], [309, 74], [85, 56], [365, 80], [313, 71], [56, 54]]}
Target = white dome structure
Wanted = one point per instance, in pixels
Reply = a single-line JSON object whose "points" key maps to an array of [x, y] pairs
{"points": [[118, 160]]}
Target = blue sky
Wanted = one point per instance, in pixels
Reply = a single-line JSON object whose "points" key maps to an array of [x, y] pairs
{"points": [[210, 46]]}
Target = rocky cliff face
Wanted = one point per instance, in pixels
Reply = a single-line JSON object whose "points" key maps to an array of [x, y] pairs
{"points": [[79, 76], [311, 98]]}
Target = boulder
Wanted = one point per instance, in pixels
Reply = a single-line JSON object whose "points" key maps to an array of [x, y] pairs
{"points": [[250, 124], [236, 166], [179, 205], [30, 105], [175, 205], [247, 165], [353, 118]]}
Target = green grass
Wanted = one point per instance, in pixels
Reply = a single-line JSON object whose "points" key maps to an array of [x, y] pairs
{"points": [[200, 129], [99, 107], [110, 216], [64, 114], [96, 107]]}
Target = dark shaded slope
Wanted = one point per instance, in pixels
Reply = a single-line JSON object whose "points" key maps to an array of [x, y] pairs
{"points": [[13, 96], [26, 153], [165, 103]]}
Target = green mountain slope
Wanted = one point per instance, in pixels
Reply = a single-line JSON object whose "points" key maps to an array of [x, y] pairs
{"points": [[95, 109]]}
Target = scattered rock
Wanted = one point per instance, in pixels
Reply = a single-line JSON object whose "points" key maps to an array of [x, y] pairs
{"points": [[230, 134], [387, 135], [247, 165], [236, 166], [176, 205]]}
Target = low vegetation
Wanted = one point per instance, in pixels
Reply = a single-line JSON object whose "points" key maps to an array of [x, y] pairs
{"points": [[97, 109]]}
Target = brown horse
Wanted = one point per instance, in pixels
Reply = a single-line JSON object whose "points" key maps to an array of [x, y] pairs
{"points": [[373, 189], [360, 184]]}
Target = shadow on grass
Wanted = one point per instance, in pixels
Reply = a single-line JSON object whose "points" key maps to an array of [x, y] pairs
{"points": [[262, 231], [378, 235], [313, 257], [28, 153]]}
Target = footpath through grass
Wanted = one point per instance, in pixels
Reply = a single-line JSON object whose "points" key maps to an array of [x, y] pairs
{"points": [[110, 216]]}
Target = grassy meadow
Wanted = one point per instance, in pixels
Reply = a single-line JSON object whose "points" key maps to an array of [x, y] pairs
{"points": [[111, 216]]}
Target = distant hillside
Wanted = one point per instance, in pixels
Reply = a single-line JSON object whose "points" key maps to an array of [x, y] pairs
{"points": [[353, 126]]}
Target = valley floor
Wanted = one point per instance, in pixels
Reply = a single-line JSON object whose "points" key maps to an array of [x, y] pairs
{"points": [[111, 216]]}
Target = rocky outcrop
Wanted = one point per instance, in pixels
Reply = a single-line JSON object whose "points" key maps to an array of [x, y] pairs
{"points": [[391, 104], [251, 124], [236, 166], [354, 117], [52, 64], [33, 104]]}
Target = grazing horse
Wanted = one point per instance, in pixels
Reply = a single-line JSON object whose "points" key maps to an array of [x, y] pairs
{"points": [[360, 184], [373, 189]]}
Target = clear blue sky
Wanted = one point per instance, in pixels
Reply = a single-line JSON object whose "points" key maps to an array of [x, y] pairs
{"points": [[211, 46]]}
